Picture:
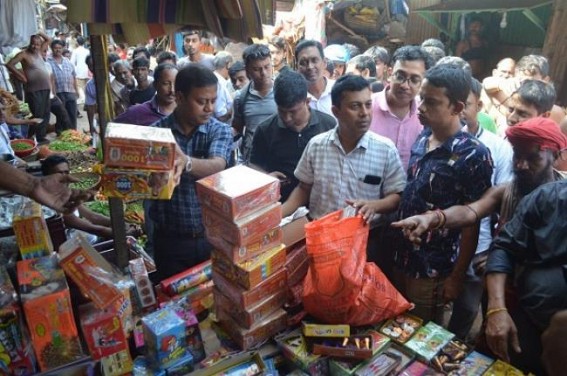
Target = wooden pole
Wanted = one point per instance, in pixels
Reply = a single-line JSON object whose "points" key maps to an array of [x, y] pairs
{"points": [[555, 49], [105, 114]]}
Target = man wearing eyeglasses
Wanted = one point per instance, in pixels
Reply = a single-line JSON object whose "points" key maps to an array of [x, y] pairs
{"points": [[394, 110]]}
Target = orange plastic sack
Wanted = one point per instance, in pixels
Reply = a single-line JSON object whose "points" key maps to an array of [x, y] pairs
{"points": [[340, 287]]}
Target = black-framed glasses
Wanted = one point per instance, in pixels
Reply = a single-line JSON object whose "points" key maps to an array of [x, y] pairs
{"points": [[400, 78]]}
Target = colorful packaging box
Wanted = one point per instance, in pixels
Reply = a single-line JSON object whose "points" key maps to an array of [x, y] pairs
{"points": [[251, 273], [143, 367], [193, 339], [102, 330], [187, 279], [243, 229], [420, 369], [30, 228], [347, 368], [244, 363], [475, 364], [137, 184], [164, 337], [500, 368], [144, 288], [117, 364], [94, 276], [451, 356], [246, 338], [380, 365], [238, 191], [401, 328], [249, 317], [139, 147], [252, 247], [294, 348], [182, 367], [297, 264], [48, 311], [429, 340], [247, 299], [16, 352], [404, 355], [322, 330]]}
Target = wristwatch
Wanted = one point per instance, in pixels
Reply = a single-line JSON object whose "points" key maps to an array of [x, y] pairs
{"points": [[188, 165]]}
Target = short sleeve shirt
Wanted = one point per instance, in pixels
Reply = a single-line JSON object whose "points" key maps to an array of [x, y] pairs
{"points": [[457, 172], [323, 103]]}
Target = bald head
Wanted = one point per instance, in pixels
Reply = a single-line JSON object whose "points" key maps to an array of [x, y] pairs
{"points": [[505, 68]]}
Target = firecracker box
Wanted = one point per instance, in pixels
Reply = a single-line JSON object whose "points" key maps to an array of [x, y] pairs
{"points": [[294, 348], [193, 339], [244, 363], [253, 246], [418, 368], [238, 191], [344, 367], [402, 327], [247, 299], [451, 357], [117, 364], [429, 340], [405, 356], [30, 228], [382, 364], [183, 281], [500, 368], [250, 273], [261, 331], [325, 330], [297, 263], [130, 184], [475, 364], [257, 313], [102, 330], [48, 311], [139, 147], [94, 276], [143, 367], [16, 352], [164, 337], [243, 229], [182, 367], [144, 288]]}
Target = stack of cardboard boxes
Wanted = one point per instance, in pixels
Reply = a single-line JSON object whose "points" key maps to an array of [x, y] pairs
{"points": [[241, 214]]}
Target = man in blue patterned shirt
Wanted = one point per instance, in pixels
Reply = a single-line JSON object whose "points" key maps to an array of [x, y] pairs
{"points": [[179, 241], [447, 167]]}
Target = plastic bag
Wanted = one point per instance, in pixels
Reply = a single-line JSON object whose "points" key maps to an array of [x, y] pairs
{"points": [[340, 287]]}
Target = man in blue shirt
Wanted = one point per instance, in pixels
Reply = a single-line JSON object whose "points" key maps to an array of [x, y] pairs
{"points": [[179, 241]]}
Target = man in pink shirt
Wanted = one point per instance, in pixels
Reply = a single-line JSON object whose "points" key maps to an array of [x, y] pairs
{"points": [[394, 110]]}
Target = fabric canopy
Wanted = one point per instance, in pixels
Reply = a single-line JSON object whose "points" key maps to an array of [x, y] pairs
{"points": [[139, 20]]}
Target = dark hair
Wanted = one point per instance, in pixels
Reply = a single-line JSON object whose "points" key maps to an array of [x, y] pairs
{"points": [[457, 61], [433, 42], [89, 59], [476, 87], [362, 62], [537, 93], [412, 53], [235, 68], [65, 51], [113, 57], [278, 42], [378, 53], [166, 55], [192, 32], [50, 162], [347, 83], [306, 44], [453, 79], [255, 52], [290, 88], [162, 67], [533, 64], [57, 42], [194, 75], [80, 40], [140, 62], [330, 67], [143, 50], [435, 52]]}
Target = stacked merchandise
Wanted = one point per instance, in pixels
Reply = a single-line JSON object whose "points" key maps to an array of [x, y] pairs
{"points": [[138, 162], [241, 215]]}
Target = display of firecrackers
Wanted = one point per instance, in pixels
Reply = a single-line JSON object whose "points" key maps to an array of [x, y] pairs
{"points": [[297, 263], [164, 337], [187, 279], [418, 368], [144, 289], [353, 347], [243, 363], [238, 191], [30, 228], [95, 277], [451, 356], [252, 247], [193, 339], [16, 352], [139, 147], [48, 311], [325, 330], [117, 364], [402, 327], [429, 340], [143, 367], [129, 184], [295, 349], [500, 368], [102, 330], [347, 365], [475, 364]]}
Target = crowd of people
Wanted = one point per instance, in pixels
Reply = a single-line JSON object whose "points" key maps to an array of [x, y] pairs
{"points": [[460, 180]]}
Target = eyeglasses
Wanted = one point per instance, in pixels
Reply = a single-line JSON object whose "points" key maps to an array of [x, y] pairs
{"points": [[400, 78]]}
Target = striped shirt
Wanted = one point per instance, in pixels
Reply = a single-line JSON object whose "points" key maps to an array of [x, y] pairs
{"points": [[64, 75], [371, 171]]}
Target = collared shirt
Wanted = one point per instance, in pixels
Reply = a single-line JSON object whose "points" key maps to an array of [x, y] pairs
{"points": [[455, 173], [78, 59], [223, 104], [323, 103], [64, 74], [402, 132], [277, 148], [145, 113], [182, 213], [336, 176], [533, 246]]}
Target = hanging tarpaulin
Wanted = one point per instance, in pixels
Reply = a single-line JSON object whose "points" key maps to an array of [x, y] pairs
{"points": [[139, 20], [17, 22]]}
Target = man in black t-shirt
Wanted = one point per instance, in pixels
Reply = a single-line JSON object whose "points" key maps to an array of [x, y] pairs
{"points": [[144, 90]]}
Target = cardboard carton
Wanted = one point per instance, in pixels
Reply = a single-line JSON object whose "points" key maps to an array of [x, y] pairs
{"points": [[251, 247], [294, 348], [102, 330], [30, 228], [251, 316], [130, 184], [324, 330], [164, 337], [429, 340]]}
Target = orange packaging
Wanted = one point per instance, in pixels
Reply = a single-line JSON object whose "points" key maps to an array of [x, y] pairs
{"points": [[250, 273], [139, 147], [238, 191], [246, 318], [243, 229], [102, 330], [252, 247], [48, 311], [137, 184], [93, 275], [246, 338], [30, 228]]}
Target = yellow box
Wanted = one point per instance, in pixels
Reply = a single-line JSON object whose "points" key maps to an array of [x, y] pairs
{"points": [[322, 330], [138, 184], [30, 228]]}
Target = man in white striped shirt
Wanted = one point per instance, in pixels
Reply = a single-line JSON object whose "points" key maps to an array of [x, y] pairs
{"points": [[349, 165]]}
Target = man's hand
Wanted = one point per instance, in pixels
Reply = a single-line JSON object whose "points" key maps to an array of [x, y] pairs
{"points": [[479, 264], [278, 175], [180, 162], [414, 227], [53, 191], [452, 287], [367, 209], [500, 333]]}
